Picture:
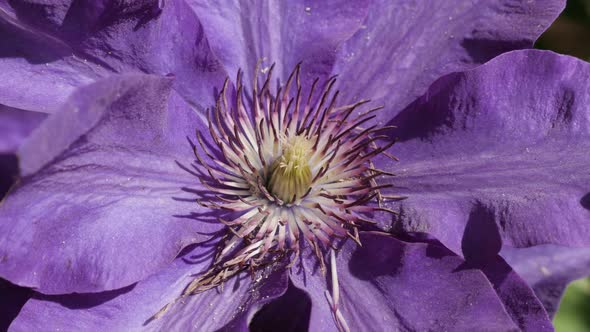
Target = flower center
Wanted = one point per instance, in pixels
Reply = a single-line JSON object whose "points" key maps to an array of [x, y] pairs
{"points": [[286, 170], [290, 175]]}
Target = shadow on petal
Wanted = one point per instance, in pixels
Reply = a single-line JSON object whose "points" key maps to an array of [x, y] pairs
{"points": [[8, 172], [417, 121], [289, 313], [481, 239], [13, 299], [374, 259], [22, 43], [482, 49], [85, 300], [585, 201]]}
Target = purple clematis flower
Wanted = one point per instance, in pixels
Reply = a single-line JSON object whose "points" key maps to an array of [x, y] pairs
{"points": [[104, 224]]}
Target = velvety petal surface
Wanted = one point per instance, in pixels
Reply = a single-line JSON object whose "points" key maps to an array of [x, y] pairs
{"points": [[388, 284], [498, 155], [282, 32], [48, 48], [105, 199], [132, 308], [549, 269], [404, 46]]}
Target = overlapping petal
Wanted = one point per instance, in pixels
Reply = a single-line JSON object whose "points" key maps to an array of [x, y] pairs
{"points": [[132, 308], [497, 155], [406, 45], [15, 126], [105, 199], [37, 70], [549, 269], [518, 298], [48, 49], [388, 284], [285, 33]]}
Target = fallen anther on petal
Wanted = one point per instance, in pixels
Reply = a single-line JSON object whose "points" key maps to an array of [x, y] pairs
{"points": [[160, 312], [387, 210], [381, 172], [394, 198], [354, 238], [390, 156]]}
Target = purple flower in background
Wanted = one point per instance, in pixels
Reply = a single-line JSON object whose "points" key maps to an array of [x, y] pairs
{"points": [[116, 225]]}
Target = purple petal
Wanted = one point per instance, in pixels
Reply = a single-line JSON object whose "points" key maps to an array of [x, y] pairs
{"points": [[38, 71], [132, 308], [388, 284], [93, 39], [106, 198], [549, 269], [406, 45], [518, 298], [497, 155], [15, 126], [283, 32]]}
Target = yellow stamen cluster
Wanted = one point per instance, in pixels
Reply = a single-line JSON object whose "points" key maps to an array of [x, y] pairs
{"points": [[290, 175]]}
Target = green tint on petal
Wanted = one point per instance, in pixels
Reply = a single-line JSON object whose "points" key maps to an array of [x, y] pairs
{"points": [[574, 311]]}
